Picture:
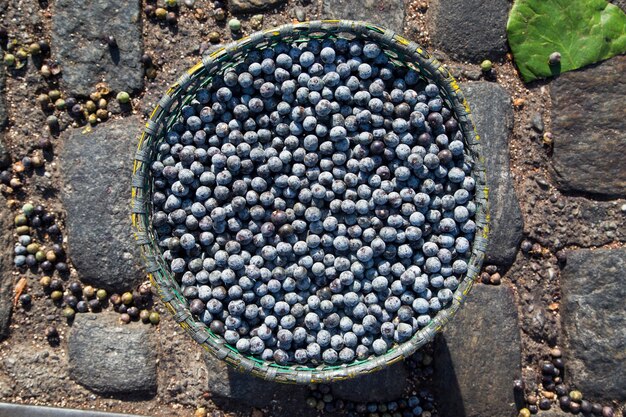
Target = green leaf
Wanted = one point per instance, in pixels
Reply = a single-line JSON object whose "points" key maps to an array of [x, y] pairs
{"points": [[582, 31]]}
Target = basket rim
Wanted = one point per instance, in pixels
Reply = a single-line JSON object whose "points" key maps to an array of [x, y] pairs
{"points": [[166, 285]]}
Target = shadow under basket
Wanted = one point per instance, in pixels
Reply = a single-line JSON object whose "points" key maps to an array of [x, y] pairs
{"points": [[401, 52]]}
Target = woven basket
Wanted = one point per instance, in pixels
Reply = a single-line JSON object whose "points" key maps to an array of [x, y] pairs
{"points": [[401, 52]]}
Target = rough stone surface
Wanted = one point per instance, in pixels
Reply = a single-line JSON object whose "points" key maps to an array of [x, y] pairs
{"points": [[553, 413], [387, 13], [6, 264], [597, 222], [110, 358], [394, 379], [472, 30], [78, 35], [589, 128], [5, 159], [493, 115], [478, 356], [594, 319], [247, 6], [3, 105], [33, 371], [237, 388], [96, 169]]}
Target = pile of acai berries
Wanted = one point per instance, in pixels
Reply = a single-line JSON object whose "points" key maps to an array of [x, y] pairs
{"points": [[315, 203]]}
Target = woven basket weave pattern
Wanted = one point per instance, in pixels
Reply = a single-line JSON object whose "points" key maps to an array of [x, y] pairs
{"points": [[401, 52]]}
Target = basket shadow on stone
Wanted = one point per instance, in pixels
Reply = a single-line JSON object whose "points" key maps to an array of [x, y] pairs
{"points": [[237, 392], [478, 357]]}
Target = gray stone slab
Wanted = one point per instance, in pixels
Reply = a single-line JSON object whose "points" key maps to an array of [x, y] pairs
{"points": [[594, 322], [368, 387], [553, 413], [78, 44], [4, 115], [6, 266], [248, 6], [492, 113], [589, 129], [96, 167], [112, 358], [472, 30], [478, 357], [387, 13], [5, 159], [15, 410]]}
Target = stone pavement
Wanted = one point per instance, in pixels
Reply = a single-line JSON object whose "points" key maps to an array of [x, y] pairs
{"points": [[474, 369]]}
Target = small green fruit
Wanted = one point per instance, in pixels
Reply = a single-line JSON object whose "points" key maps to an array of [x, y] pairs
{"points": [[127, 298], [155, 318], [214, 37], [45, 71], [34, 48], [160, 13], [22, 230], [54, 95], [576, 396], [486, 66], [123, 97], [60, 104], [90, 106], [9, 60], [89, 291], [21, 220], [32, 248], [68, 313], [234, 25], [28, 209], [45, 281]]}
